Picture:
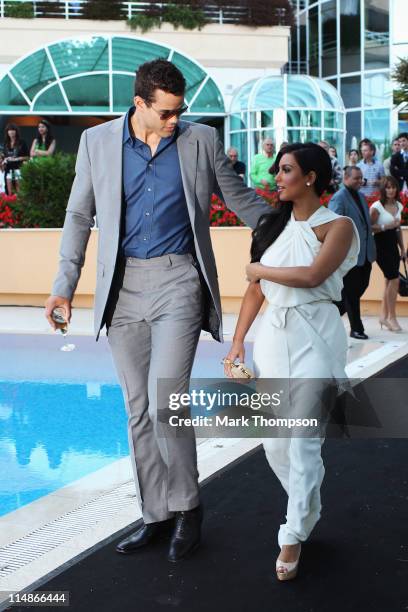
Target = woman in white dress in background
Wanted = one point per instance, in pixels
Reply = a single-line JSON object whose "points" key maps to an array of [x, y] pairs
{"points": [[300, 253]]}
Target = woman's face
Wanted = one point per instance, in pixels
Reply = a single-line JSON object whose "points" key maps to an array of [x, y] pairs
{"points": [[42, 128], [12, 133], [353, 157], [390, 191], [332, 152], [290, 180]]}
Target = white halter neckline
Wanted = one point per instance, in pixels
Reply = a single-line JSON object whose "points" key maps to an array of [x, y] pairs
{"points": [[322, 215]]}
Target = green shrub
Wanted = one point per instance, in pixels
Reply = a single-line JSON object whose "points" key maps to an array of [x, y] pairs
{"points": [[20, 10], [184, 16], [179, 15], [44, 190], [144, 22]]}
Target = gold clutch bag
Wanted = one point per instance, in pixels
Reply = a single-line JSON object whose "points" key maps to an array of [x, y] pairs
{"points": [[240, 370]]}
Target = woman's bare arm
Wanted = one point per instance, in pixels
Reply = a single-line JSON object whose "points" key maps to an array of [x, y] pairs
{"points": [[376, 227], [50, 151], [251, 304]]}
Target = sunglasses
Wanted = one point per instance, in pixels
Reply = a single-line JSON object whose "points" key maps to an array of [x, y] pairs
{"points": [[166, 114]]}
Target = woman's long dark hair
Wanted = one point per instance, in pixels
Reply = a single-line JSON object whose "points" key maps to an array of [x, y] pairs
{"points": [[49, 135], [7, 139], [310, 157]]}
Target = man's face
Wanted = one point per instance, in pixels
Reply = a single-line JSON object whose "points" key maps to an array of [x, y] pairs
{"points": [[354, 181], [366, 152], [403, 142], [233, 155], [396, 147], [157, 115], [268, 146]]}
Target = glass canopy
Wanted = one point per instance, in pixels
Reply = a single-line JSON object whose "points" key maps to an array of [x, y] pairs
{"points": [[285, 108], [96, 75]]}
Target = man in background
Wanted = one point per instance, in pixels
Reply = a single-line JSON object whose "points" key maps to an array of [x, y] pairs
{"points": [[399, 162], [238, 166], [349, 202], [395, 148], [261, 164], [336, 168], [372, 170]]}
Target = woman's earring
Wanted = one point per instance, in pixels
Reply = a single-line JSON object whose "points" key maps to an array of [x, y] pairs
{"points": [[308, 184]]}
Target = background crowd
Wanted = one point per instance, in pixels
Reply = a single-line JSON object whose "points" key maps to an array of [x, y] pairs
{"points": [[15, 152], [372, 192]]}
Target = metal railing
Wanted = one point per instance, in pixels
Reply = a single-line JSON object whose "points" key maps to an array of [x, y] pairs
{"points": [[74, 9]]}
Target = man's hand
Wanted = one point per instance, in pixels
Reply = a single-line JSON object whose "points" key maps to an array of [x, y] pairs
{"points": [[55, 301]]}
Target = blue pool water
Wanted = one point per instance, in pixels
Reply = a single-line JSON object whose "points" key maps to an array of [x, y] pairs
{"points": [[62, 414], [53, 434]]}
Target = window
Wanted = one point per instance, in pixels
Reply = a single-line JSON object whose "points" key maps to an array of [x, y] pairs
{"points": [[377, 90], [313, 42], [329, 40], [96, 75], [350, 35], [333, 120], [351, 91], [376, 35], [377, 125], [353, 126]]}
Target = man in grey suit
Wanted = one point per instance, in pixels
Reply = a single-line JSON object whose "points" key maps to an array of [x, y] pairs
{"points": [[148, 178], [350, 202]]}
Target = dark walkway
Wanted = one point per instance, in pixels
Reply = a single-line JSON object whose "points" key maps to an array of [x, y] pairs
{"points": [[356, 560]]}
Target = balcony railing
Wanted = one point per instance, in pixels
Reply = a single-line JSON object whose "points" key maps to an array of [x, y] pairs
{"points": [[74, 9]]}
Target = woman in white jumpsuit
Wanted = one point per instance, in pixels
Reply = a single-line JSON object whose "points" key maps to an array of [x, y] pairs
{"points": [[300, 254]]}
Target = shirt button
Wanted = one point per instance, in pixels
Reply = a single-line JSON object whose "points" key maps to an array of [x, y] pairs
{"points": [[147, 214], [145, 238], [149, 189]]}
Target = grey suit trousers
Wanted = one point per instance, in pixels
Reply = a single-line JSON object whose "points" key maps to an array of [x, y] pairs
{"points": [[154, 334]]}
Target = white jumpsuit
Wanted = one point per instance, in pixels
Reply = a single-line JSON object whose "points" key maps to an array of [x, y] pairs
{"points": [[301, 335]]}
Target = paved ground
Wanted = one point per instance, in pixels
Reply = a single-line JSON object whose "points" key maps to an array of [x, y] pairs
{"points": [[26, 319]]}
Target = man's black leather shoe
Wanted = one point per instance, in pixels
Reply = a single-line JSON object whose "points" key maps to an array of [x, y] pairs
{"points": [[144, 535], [187, 534], [358, 335]]}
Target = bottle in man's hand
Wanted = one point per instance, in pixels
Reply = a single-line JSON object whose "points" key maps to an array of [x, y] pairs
{"points": [[58, 316]]}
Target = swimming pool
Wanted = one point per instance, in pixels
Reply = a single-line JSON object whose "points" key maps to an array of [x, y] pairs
{"points": [[62, 415]]}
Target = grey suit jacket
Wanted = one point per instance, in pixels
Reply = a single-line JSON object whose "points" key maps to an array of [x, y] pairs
{"points": [[97, 190], [342, 203]]}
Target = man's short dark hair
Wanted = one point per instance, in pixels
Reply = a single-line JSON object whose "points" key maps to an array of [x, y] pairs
{"points": [[368, 143], [403, 135], [158, 74], [348, 170]]}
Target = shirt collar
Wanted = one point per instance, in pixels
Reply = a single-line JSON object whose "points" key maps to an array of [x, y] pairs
{"points": [[127, 135]]}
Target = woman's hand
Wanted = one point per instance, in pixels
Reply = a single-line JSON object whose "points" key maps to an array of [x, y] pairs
{"points": [[237, 351], [253, 272], [403, 256]]}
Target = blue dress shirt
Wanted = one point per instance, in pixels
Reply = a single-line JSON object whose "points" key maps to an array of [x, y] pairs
{"points": [[156, 221]]}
